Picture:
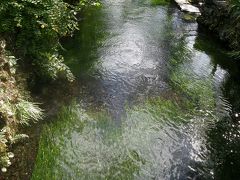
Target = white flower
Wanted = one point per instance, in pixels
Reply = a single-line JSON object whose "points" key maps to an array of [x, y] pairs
{"points": [[10, 113], [10, 155], [9, 163], [4, 169]]}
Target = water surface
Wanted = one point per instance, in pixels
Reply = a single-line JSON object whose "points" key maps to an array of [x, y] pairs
{"points": [[157, 100]]}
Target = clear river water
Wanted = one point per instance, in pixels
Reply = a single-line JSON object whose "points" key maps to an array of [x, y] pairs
{"points": [[158, 99]]}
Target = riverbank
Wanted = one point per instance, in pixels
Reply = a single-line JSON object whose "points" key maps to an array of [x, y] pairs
{"points": [[51, 98], [29, 58], [16, 107], [222, 19]]}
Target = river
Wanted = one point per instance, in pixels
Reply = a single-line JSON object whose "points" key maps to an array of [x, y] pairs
{"points": [[158, 99]]}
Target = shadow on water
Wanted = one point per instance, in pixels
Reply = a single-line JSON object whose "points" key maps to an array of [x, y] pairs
{"points": [[81, 50], [157, 100], [224, 137]]}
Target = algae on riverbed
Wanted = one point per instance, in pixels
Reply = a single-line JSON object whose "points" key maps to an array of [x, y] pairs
{"points": [[99, 149]]}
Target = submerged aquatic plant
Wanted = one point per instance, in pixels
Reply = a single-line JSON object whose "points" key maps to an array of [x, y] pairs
{"points": [[97, 148], [159, 2]]}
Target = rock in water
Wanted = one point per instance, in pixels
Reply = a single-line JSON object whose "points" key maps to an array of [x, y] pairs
{"points": [[187, 7]]}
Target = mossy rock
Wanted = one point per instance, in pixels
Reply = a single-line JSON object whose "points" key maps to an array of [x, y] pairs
{"points": [[189, 17], [159, 2]]}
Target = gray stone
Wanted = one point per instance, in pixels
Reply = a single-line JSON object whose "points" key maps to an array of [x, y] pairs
{"points": [[187, 7]]}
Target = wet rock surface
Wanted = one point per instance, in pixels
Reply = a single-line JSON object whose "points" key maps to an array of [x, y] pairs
{"points": [[187, 7]]}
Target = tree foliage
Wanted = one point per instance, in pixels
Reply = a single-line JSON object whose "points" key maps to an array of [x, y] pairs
{"points": [[34, 27], [233, 32]]}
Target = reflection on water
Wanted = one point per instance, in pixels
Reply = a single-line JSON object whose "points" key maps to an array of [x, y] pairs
{"points": [[166, 99]]}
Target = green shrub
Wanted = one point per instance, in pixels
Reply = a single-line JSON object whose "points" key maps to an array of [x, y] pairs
{"points": [[36, 25], [34, 28]]}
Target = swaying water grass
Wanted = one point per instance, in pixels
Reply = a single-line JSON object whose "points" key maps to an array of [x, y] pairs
{"points": [[49, 149], [200, 91], [188, 79], [88, 145]]}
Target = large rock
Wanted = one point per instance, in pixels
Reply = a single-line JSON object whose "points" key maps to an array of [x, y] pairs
{"points": [[187, 7]]}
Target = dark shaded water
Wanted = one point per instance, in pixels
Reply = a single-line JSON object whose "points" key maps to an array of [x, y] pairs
{"points": [[157, 100]]}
